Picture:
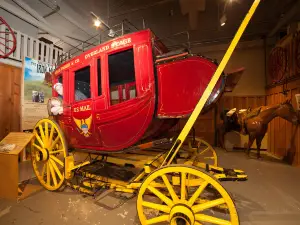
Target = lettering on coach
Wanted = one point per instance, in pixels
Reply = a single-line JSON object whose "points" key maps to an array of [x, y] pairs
{"points": [[82, 108]]}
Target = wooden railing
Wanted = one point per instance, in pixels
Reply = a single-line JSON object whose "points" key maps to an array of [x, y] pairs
{"points": [[30, 47]]}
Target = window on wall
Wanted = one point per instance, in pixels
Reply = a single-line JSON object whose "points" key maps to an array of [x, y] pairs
{"points": [[82, 84], [121, 76], [99, 77]]}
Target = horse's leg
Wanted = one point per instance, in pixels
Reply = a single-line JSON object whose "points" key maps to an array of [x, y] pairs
{"points": [[259, 138], [258, 144], [250, 142]]}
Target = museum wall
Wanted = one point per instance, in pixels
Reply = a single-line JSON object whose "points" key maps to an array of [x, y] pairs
{"points": [[10, 89], [284, 138], [249, 55], [249, 92]]}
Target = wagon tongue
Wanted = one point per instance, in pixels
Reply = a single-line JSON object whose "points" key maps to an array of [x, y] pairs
{"points": [[232, 79]]}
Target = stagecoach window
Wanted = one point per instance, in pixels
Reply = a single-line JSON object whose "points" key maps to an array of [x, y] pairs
{"points": [[82, 84], [60, 79], [121, 76], [99, 77]]}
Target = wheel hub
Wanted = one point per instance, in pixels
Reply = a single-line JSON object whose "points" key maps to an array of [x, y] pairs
{"points": [[182, 215], [42, 155]]}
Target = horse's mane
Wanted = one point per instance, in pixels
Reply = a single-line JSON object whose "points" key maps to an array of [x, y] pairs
{"points": [[287, 102]]}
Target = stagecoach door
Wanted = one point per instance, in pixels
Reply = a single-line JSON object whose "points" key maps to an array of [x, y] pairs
{"points": [[128, 101], [81, 105]]}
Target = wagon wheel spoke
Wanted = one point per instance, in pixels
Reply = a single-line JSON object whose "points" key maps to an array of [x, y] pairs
{"points": [[52, 173], [211, 219], [46, 133], [38, 147], [170, 188], [39, 139], [42, 134], [56, 169], [161, 196], [205, 150], [51, 133], [44, 170], [56, 160], [56, 151], [183, 186], [48, 174], [158, 219], [54, 142], [159, 207], [207, 205], [197, 193]]}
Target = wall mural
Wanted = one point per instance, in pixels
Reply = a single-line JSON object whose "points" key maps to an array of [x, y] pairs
{"points": [[36, 91]]}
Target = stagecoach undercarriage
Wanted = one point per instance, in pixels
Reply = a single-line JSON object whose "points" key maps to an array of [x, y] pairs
{"points": [[187, 190]]}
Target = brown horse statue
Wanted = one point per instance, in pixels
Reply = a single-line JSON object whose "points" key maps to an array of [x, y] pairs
{"points": [[254, 123]]}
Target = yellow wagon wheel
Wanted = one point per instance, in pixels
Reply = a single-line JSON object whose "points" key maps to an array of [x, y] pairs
{"points": [[48, 153], [182, 205], [205, 152]]}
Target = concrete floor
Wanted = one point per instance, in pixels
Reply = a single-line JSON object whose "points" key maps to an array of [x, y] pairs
{"points": [[270, 196]]}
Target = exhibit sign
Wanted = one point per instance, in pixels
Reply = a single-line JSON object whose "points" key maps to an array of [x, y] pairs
{"points": [[36, 91]]}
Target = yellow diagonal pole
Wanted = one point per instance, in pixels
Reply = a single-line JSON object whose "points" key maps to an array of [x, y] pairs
{"points": [[185, 131]]}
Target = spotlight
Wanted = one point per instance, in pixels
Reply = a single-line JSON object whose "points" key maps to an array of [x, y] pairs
{"points": [[223, 20], [97, 22]]}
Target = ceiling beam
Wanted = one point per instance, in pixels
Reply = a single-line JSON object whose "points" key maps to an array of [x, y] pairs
{"points": [[26, 17], [133, 10], [286, 18]]}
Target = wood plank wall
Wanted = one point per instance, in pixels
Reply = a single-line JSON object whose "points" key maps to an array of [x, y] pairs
{"points": [[281, 131], [10, 97], [205, 124]]}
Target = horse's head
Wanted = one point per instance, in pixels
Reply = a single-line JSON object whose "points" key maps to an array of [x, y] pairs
{"points": [[286, 111], [230, 119]]}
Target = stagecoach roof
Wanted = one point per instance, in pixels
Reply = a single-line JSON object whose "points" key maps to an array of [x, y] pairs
{"points": [[113, 44]]}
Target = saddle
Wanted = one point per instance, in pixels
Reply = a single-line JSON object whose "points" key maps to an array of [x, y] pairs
{"points": [[244, 115], [252, 113]]}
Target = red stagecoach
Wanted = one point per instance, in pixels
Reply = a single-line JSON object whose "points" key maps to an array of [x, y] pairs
{"points": [[131, 91]]}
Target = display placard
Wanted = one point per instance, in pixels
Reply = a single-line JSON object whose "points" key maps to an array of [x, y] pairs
{"points": [[36, 91]]}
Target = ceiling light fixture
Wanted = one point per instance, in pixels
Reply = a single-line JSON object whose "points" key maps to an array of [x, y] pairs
{"points": [[97, 22], [223, 20]]}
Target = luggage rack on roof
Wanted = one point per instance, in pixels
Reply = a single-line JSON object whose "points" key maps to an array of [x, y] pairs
{"points": [[125, 27]]}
